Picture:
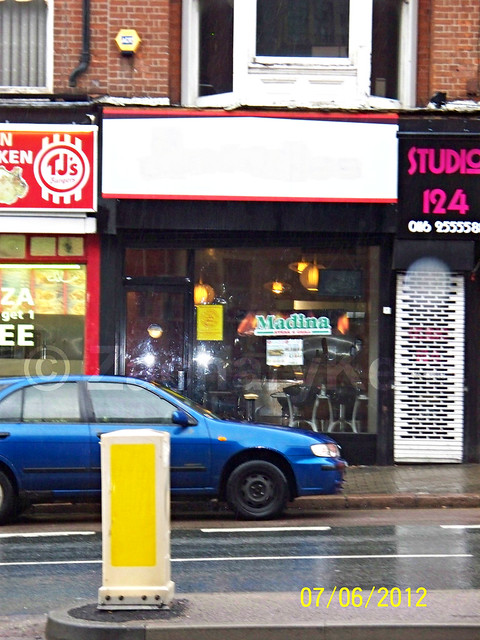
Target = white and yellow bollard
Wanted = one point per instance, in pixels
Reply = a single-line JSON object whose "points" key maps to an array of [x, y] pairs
{"points": [[135, 520]]}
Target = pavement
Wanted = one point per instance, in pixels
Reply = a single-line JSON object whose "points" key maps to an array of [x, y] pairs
{"points": [[282, 616], [404, 486]]}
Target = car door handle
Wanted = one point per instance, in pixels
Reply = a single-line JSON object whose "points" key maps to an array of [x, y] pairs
{"points": [[4, 434]]}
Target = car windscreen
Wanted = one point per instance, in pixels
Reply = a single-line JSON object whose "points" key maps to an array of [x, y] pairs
{"points": [[189, 403]]}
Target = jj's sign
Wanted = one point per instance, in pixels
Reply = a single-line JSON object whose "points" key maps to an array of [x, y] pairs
{"points": [[48, 168], [438, 185]]}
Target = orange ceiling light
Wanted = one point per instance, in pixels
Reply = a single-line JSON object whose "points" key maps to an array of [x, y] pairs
{"points": [[203, 293], [277, 287], [299, 266], [343, 324]]}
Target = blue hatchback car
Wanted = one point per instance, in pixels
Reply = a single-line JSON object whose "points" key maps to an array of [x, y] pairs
{"points": [[49, 446]]}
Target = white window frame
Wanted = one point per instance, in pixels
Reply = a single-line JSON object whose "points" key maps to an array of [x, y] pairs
{"points": [[48, 88], [279, 81]]}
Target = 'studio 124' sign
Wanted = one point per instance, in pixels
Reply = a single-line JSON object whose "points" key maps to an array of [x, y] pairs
{"points": [[438, 185], [48, 168]]}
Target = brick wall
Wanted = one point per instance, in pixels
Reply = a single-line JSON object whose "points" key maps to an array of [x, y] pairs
{"points": [[109, 73], [449, 49]]}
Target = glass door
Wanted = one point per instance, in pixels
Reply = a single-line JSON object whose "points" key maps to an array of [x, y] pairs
{"points": [[156, 334]]}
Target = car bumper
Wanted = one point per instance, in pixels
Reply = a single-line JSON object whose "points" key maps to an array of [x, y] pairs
{"points": [[320, 476]]}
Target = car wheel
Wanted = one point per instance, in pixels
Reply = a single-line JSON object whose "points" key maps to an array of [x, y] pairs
{"points": [[257, 490], [7, 498]]}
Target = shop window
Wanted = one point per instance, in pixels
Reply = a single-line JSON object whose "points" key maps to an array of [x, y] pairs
{"points": [[25, 29], [289, 336], [303, 52], [70, 246], [42, 319], [43, 246], [12, 246], [155, 263]]}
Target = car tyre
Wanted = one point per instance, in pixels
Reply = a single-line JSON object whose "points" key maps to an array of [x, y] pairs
{"points": [[257, 490], [7, 499]]}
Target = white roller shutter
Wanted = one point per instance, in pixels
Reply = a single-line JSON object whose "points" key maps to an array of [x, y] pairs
{"points": [[429, 367]]}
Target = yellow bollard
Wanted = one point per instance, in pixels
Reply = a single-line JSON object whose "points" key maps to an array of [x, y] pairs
{"points": [[135, 520]]}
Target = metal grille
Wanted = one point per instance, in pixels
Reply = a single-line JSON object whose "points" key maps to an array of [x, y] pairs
{"points": [[23, 43], [429, 367]]}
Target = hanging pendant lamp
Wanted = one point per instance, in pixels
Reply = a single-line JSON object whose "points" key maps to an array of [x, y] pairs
{"points": [[203, 293]]}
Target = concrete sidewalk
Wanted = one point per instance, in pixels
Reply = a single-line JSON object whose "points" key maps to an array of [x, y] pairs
{"points": [[404, 486], [279, 616]]}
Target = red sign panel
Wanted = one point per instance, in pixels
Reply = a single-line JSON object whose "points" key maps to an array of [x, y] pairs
{"points": [[48, 168]]}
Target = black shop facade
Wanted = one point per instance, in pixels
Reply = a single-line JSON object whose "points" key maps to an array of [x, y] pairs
{"points": [[436, 264], [246, 263]]}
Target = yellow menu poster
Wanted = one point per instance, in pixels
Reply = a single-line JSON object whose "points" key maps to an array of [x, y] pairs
{"points": [[209, 322]]}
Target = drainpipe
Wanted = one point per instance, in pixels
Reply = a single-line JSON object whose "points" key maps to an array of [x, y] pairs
{"points": [[85, 55]]}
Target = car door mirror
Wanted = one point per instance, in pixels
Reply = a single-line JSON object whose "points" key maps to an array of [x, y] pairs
{"points": [[181, 418]]}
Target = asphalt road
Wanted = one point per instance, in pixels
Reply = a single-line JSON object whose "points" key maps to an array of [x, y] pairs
{"points": [[47, 565]]}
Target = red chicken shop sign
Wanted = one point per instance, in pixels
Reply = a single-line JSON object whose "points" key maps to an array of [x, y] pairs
{"points": [[48, 168]]}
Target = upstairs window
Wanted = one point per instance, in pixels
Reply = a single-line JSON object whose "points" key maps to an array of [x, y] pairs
{"points": [[216, 47], [24, 27], [335, 53], [303, 28]]}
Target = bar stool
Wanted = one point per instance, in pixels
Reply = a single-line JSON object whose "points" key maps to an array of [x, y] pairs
{"points": [[360, 398], [319, 399], [344, 395], [250, 398], [285, 402]]}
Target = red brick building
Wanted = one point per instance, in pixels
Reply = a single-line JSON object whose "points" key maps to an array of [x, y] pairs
{"points": [[447, 50]]}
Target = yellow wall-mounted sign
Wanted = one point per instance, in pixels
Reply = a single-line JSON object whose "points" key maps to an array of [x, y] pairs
{"points": [[128, 41], [210, 322]]}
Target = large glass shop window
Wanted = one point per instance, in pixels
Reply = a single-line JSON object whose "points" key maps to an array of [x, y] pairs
{"points": [[42, 319], [288, 336]]}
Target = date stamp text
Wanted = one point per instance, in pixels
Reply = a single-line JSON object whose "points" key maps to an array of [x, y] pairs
{"points": [[362, 598]]}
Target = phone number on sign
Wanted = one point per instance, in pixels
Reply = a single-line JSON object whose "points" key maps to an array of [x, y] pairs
{"points": [[358, 597], [444, 226]]}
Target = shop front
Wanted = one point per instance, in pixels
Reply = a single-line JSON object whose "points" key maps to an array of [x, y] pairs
{"points": [[436, 263], [260, 308], [49, 251]]}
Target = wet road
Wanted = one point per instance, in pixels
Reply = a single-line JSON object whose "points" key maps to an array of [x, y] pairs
{"points": [[42, 569]]}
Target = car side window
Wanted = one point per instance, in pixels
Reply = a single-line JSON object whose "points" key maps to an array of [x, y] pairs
{"points": [[51, 402], [11, 407], [120, 402]]}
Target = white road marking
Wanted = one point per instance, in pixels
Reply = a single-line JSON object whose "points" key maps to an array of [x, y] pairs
{"points": [[48, 562], [258, 558], [349, 557], [268, 529], [460, 526], [47, 534]]}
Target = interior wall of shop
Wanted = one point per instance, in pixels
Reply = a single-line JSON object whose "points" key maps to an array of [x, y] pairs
{"points": [[194, 224]]}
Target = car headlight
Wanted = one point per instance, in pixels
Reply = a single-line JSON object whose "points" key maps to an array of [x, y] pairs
{"points": [[326, 450]]}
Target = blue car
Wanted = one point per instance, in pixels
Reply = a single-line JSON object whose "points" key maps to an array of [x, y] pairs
{"points": [[49, 446]]}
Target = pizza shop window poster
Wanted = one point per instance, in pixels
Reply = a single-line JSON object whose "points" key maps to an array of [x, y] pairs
{"points": [[42, 319], [48, 168]]}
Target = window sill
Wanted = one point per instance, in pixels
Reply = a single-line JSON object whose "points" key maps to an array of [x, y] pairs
{"points": [[300, 68], [32, 90], [302, 62]]}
